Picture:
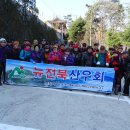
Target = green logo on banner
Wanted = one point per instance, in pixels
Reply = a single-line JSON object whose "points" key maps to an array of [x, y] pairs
{"points": [[17, 73]]}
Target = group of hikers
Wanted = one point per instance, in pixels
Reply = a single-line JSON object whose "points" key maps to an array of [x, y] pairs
{"points": [[70, 54]]}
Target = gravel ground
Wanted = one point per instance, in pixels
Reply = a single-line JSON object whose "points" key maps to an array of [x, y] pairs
{"points": [[50, 109]]}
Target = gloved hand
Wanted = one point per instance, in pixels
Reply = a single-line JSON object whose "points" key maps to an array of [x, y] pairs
{"points": [[98, 63], [107, 64], [65, 58]]}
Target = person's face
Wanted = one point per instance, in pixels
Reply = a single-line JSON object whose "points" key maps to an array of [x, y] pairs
{"points": [[55, 49], [84, 46], [35, 42], [28, 47], [3, 44], [43, 42], [62, 47], [120, 50], [75, 49], [16, 46], [47, 50], [27, 42], [124, 56], [67, 53], [89, 50], [102, 51], [36, 48], [71, 46], [111, 51], [95, 47]]}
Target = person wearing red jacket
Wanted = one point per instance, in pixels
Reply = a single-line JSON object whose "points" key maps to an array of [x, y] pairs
{"points": [[61, 49], [54, 56], [116, 63]]}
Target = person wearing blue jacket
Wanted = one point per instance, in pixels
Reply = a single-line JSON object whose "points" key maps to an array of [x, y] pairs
{"points": [[67, 59], [25, 53], [101, 58]]}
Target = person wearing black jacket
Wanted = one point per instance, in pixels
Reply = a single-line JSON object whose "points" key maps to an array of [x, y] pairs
{"points": [[127, 74], [88, 58], [3, 56], [95, 48], [9, 47], [15, 51]]}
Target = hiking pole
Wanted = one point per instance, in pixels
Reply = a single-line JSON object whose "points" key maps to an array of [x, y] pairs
{"points": [[122, 88]]}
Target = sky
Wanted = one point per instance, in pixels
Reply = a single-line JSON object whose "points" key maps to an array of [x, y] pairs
{"points": [[49, 9]]}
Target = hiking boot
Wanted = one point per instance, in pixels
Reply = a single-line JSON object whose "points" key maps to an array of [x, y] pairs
{"points": [[0, 84], [116, 92], [125, 94]]}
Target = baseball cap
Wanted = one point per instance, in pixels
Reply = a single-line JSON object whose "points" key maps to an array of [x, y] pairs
{"points": [[75, 46]]}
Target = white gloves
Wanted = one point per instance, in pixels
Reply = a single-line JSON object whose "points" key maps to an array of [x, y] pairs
{"points": [[98, 63], [107, 64]]}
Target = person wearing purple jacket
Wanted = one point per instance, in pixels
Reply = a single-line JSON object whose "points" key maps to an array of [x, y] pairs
{"points": [[67, 58], [36, 55], [3, 56]]}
